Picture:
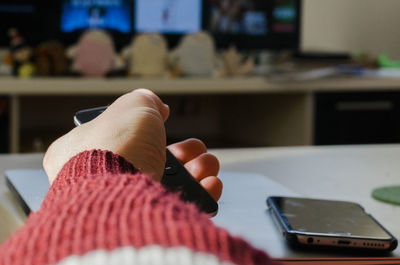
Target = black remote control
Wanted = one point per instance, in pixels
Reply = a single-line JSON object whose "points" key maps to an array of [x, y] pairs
{"points": [[175, 179]]}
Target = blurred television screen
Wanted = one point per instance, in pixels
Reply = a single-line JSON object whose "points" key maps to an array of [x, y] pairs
{"points": [[252, 17], [168, 16], [284, 16], [104, 14], [239, 16], [16, 14], [247, 24]]}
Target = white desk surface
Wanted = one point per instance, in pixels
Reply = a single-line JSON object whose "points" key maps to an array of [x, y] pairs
{"points": [[337, 172]]}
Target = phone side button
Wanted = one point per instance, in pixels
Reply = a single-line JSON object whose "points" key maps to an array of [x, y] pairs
{"points": [[344, 242], [170, 170]]}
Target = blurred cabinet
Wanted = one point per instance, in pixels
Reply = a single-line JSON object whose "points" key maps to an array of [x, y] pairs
{"points": [[4, 124], [357, 118], [235, 112]]}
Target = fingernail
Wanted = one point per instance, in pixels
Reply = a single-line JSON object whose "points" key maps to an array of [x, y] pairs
{"points": [[165, 113]]}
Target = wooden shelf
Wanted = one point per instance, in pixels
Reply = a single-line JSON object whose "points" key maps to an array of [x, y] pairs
{"points": [[116, 86], [187, 86]]}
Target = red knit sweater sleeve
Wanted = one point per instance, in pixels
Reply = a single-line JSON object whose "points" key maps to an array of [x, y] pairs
{"points": [[99, 201]]}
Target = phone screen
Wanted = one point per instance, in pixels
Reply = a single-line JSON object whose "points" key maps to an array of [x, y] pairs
{"points": [[329, 223], [328, 217]]}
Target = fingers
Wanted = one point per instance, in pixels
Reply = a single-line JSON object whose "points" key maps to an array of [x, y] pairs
{"points": [[203, 166], [213, 186], [204, 169], [187, 150]]}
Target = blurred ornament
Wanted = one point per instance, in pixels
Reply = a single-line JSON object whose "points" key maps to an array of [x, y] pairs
{"points": [[5, 62], [94, 55], [234, 64], [50, 59], [26, 70], [21, 55], [147, 55], [195, 55]]}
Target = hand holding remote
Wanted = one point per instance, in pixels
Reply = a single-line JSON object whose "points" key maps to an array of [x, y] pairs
{"points": [[133, 126]]}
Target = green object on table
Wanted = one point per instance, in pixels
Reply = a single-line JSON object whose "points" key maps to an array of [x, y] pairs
{"points": [[385, 62], [389, 194]]}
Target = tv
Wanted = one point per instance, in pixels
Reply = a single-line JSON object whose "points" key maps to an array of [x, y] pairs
{"points": [[113, 15], [16, 14], [254, 24], [247, 24], [65, 20], [168, 16]]}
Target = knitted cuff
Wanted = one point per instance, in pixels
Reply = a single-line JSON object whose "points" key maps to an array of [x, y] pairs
{"points": [[92, 164]]}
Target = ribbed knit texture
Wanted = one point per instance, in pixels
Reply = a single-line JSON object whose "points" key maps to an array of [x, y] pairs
{"points": [[100, 201]]}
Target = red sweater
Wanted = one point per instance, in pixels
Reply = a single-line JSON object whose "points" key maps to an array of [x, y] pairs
{"points": [[101, 210]]}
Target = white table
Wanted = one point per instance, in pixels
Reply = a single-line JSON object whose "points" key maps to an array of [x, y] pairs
{"points": [[337, 172], [11, 215]]}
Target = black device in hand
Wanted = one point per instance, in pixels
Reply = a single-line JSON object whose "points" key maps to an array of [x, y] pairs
{"points": [[175, 179]]}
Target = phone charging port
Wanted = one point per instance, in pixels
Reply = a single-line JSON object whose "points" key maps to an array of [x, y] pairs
{"points": [[344, 242]]}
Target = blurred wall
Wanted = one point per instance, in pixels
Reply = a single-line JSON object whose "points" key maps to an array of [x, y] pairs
{"points": [[352, 25]]}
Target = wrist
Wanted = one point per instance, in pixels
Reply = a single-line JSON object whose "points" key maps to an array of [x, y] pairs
{"points": [[94, 163]]}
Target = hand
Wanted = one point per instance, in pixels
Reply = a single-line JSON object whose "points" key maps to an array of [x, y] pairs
{"points": [[203, 166], [133, 127]]}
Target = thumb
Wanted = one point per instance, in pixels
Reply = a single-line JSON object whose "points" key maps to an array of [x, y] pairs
{"points": [[159, 104]]}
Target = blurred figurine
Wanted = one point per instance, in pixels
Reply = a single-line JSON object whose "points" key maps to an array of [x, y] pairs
{"points": [[21, 55], [50, 59], [195, 55], [233, 63], [147, 55], [94, 54], [5, 62]]}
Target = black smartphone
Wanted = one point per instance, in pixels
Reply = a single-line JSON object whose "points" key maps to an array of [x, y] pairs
{"points": [[175, 179], [316, 222]]}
